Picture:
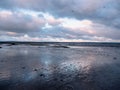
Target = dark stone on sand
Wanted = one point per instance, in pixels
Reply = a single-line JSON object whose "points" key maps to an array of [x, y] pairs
{"points": [[13, 44], [61, 80], [35, 69], [42, 75], [114, 58], [23, 67]]}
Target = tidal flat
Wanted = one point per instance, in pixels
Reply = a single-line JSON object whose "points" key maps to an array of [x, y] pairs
{"points": [[54, 67]]}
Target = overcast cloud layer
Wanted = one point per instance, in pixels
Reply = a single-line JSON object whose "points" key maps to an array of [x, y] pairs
{"points": [[60, 20]]}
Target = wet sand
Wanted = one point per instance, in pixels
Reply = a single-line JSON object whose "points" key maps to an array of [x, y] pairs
{"points": [[26, 67]]}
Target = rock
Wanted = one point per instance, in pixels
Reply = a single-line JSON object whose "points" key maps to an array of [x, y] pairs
{"points": [[35, 69], [23, 67], [114, 58], [42, 75], [13, 44]]}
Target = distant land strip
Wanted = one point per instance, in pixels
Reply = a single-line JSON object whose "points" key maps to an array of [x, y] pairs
{"points": [[92, 44]]}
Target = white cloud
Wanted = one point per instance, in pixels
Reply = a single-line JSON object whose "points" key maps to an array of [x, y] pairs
{"points": [[47, 26], [77, 25]]}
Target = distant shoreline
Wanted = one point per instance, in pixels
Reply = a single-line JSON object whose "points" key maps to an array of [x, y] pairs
{"points": [[97, 44]]}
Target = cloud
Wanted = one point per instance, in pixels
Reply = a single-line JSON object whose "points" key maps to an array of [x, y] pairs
{"points": [[51, 39], [19, 22], [40, 28], [80, 9], [60, 19], [87, 27]]}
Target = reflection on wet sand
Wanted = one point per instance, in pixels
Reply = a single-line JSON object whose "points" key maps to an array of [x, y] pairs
{"points": [[44, 68]]}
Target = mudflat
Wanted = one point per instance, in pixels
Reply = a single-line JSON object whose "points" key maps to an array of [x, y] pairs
{"points": [[28, 67]]}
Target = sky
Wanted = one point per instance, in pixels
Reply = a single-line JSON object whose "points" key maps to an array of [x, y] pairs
{"points": [[60, 20]]}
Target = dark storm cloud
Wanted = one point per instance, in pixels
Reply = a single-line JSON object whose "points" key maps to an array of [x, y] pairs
{"points": [[105, 11], [69, 7]]}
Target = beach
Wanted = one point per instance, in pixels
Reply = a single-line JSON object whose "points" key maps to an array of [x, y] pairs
{"points": [[55, 67]]}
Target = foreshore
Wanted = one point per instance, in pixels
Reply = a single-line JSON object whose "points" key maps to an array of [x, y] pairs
{"points": [[59, 67]]}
